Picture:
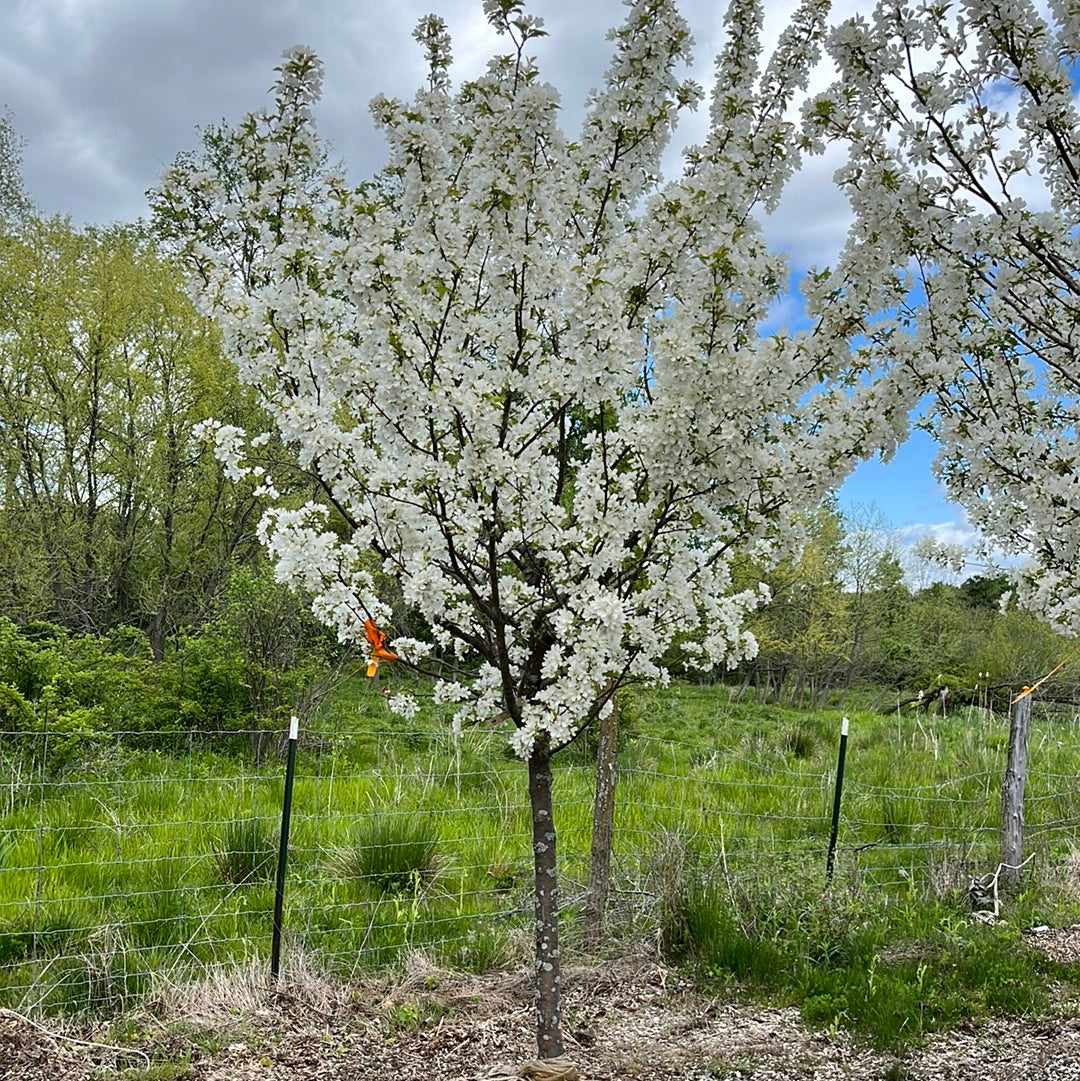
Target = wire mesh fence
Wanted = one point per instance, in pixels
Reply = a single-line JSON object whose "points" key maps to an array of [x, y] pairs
{"points": [[144, 860]]}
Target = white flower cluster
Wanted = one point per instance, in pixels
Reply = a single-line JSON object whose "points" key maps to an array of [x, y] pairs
{"points": [[531, 375], [403, 705], [964, 141]]}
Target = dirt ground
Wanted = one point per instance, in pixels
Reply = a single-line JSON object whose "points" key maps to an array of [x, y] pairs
{"points": [[629, 1019]]}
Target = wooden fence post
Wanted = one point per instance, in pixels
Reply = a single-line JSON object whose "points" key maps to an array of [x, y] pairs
{"points": [[1012, 790], [603, 833]]}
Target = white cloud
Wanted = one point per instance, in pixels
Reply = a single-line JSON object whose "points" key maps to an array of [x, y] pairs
{"points": [[960, 549], [134, 80], [951, 533]]}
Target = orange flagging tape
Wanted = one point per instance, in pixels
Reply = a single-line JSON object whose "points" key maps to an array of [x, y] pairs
{"points": [[379, 652], [1053, 672]]}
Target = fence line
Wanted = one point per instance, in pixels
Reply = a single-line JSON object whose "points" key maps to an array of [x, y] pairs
{"points": [[117, 868]]}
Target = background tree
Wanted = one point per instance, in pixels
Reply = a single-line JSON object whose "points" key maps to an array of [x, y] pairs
{"points": [[533, 379], [836, 614], [841, 617], [874, 585], [110, 511], [285, 661], [964, 145], [802, 632], [14, 202]]}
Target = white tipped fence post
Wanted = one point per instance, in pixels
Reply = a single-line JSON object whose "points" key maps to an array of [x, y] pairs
{"points": [[283, 848], [836, 800]]}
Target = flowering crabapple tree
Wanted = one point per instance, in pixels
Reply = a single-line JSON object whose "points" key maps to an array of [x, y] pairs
{"points": [[536, 379], [965, 155]]}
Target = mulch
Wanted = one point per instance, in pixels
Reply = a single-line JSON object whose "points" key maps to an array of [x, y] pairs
{"points": [[633, 1018]]}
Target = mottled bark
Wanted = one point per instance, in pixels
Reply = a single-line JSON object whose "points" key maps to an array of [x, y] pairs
{"points": [[549, 1039], [603, 830]]}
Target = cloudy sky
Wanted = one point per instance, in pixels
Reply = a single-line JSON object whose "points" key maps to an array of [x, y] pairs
{"points": [[106, 92]]}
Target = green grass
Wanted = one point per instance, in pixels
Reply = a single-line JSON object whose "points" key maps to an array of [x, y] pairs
{"points": [[135, 865], [245, 852], [892, 973], [391, 854]]}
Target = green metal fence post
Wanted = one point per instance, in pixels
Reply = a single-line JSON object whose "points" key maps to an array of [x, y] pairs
{"points": [[836, 800], [283, 848]]}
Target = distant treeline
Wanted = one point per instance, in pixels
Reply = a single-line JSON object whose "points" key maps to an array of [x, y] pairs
{"points": [[116, 521], [842, 616]]}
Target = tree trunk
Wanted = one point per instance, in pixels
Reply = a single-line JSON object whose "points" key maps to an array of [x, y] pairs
{"points": [[1012, 791], [740, 694], [772, 685], [156, 634], [795, 701], [603, 828], [549, 1039]]}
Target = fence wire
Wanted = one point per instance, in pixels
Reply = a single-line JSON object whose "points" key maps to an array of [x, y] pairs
{"points": [[136, 861]]}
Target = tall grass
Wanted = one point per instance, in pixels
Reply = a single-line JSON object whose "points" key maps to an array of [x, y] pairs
{"points": [[392, 853], [245, 851], [136, 862]]}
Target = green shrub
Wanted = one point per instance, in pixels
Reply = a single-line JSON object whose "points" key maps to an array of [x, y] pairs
{"points": [[15, 712], [21, 659]]}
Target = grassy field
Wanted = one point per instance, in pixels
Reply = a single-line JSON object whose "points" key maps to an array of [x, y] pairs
{"points": [[135, 867]]}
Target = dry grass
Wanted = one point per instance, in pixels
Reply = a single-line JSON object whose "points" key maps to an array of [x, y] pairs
{"points": [[224, 993]]}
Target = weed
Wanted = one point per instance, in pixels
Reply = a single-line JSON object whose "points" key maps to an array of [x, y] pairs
{"points": [[161, 918], [483, 949], [505, 874], [105, 980], [163, 1071], [892, 974], [732, 1068], [896, 1071], [669, 877], [403, 1018], [801, 741], [48, 936], [897, 819]]}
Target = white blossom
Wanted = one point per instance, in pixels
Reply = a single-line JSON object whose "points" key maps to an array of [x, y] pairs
{"points": [[403, 705], [964, 141], [535, 378]]}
